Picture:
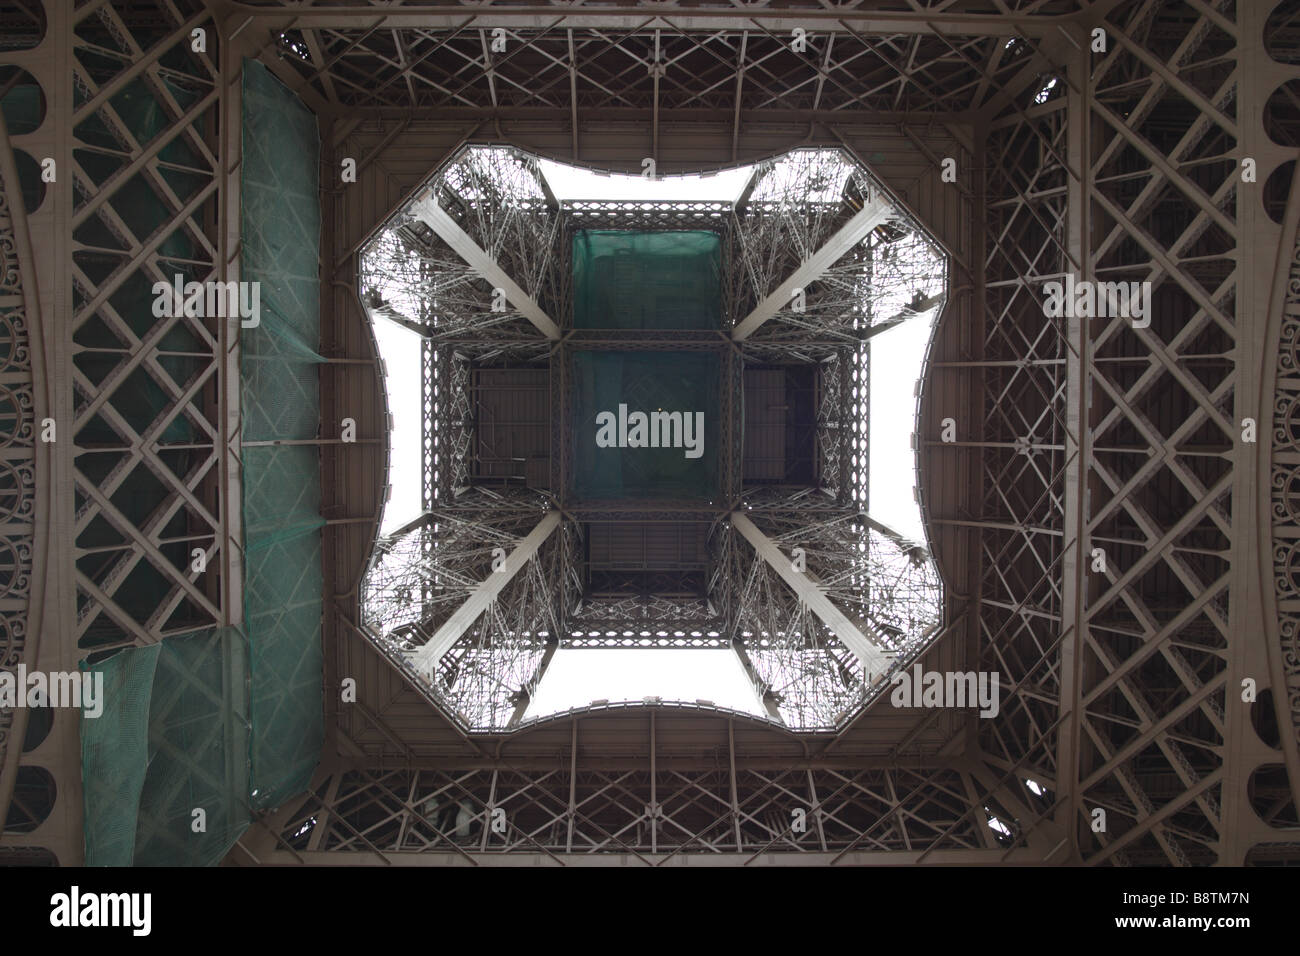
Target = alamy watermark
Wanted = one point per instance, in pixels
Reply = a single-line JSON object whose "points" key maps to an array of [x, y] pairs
{"points": [[1086, 299], [658, 429], [75, 909], [82, 689], [212, 299], [958, 689]]}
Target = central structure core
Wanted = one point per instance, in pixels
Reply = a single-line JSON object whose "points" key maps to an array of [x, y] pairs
{"points": [[646, 423], [646, 426]]}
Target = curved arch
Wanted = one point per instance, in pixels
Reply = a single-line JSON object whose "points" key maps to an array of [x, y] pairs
{"points": [[26, 457], [1278, 429]]}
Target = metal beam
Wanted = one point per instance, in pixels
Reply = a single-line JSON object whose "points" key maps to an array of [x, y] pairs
{"points": [[528, 690], [1076, 588], [711, 860], [871, 215], [777, 19], [426, 658], [435, 217], [766, 699], [864, 648]]}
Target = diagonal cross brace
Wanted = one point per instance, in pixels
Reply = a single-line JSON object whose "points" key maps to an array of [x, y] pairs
{"points": [[426, 658], [875, 212], [868, 651], [435, 217]]}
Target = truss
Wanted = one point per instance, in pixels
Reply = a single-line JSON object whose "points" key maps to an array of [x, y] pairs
{"points": [[1122, 686], [651, 812], [1085, 435], [793, 207], [886, 586]]}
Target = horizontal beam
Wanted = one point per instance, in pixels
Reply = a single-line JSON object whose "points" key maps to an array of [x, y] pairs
{"points": [[871, 215], [864, 648], [427, 210], [426, 658], [770, 124], [623, 17], [441, 858]]}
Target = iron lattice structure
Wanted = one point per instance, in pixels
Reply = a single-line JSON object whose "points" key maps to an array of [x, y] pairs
{"points": [[1121, 687], [792, 210]]}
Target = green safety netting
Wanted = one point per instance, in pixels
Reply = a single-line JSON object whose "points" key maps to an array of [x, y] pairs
{"points": [[646, 280], [115, 756], [165, 765], [199, 762], [281, 400], [647, 382], [214, 721]]}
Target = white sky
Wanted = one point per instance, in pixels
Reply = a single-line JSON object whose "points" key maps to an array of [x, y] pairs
{"points": [[571, 182], [577, 677], [400, 349], [896, 358]]}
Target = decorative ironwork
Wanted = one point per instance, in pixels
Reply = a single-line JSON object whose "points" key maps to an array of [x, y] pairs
{"points": [[17, 461], [1286, 489]]}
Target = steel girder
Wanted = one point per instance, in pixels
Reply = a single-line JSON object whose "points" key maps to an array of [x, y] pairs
{"points": [[1126, 682], [653, 806], [1120, 510]]}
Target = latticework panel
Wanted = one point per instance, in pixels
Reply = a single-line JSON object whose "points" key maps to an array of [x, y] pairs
{"points": [[588, 62], [576, 809], [147, 430]]}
